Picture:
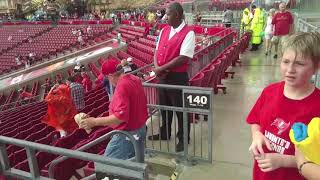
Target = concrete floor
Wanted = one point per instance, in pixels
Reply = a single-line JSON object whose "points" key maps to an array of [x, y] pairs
{"points": [[231, 134]]}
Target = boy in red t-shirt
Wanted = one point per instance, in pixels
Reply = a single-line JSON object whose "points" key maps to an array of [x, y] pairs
{"points": [[295, 99], [283, 22]]}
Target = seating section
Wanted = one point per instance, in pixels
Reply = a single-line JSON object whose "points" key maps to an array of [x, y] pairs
{"points": [[25, 123], [14, 98], [210, 66], [12, 37], [233, 5], [45, 42], [217, 70]]}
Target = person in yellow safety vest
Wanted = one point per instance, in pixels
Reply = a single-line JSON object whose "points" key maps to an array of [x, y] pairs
{"points": [[256, 28], [262, 21], [245, 21]]}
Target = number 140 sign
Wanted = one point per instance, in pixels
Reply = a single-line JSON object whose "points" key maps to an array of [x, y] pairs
{"points": [[195, 100]]}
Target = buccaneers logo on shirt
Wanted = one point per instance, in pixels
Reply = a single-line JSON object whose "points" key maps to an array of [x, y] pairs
{"points": [[281, 125]]}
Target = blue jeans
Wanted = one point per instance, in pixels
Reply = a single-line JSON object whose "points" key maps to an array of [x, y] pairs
{"points": [[121, 147]]}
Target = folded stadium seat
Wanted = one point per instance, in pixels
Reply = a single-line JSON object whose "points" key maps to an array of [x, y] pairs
{"points": [[208, 73], [219, 66], [17, 157], [101, 99], [95, 112], [228, 62], [197, 80], [88, 108], [65, 142], [89, 100], [235, 57], [49, 138], [40, 134], [101, 60], [66, 169], [90, 169]]}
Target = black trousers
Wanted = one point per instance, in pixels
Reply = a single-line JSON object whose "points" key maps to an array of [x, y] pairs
{"points": [[173, 97]]}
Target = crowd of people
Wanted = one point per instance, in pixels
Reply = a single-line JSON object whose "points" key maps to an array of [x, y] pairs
{"points": [[274, 26]]}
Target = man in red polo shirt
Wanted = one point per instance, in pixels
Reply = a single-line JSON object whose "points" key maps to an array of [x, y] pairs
{"points": [[127, 111], [283, 26], [174, 50]]}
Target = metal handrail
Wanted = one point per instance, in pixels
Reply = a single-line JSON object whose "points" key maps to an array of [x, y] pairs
{"points": [[137, 149], [31, 147]]}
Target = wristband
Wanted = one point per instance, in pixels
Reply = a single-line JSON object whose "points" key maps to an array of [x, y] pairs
{"points": [[304, 163]]}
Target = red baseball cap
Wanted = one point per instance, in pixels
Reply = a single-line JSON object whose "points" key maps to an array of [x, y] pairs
{"points": [[110, 66]]}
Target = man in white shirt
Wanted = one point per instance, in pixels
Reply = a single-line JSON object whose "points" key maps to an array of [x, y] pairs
{"points": [[174, 50]]}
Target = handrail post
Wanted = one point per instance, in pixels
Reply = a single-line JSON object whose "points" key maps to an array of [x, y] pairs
{"points": [[33, 163], [138, 155], [4, 160]]}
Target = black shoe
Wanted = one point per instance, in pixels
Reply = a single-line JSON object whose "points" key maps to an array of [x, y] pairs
{"points": [[179, 146], [157, 137], [275, 56]]}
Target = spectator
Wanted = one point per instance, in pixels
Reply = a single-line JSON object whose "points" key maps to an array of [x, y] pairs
{"points": [[77, 93], [61, 110], [86, 82], [280, 106], [132, 65], [18, 60], [10, 38], [283, 26], [159, 15], [127, 112], [128, 65], [256, 27], [119, 14], [89, 31], [80, 40], [32, 56], [171, 66], [227, 17], [79, 68], [268, 31], [198, 18], [27, 63], [146, 30], [74, 31]]}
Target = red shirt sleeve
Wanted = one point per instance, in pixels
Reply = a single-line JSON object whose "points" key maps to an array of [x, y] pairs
{"points": [[254, 115], [119, 105]]}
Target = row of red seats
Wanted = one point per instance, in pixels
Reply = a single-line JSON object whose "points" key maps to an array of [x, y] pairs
{"points": [[142, 47], [29, 127], [57, 40], [148, 42], [18, 34], [232, 4], [145, 57], [212, 74]]}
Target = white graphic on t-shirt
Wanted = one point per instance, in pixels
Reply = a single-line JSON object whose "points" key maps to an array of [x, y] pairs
{"points": [[278, 144], [281, 125]]}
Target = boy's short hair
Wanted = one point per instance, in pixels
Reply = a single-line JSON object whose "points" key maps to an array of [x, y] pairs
{"points": [[306, 44]]}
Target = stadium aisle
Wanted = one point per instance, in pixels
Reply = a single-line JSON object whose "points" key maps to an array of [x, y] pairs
{"points": [[231, 134]]}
